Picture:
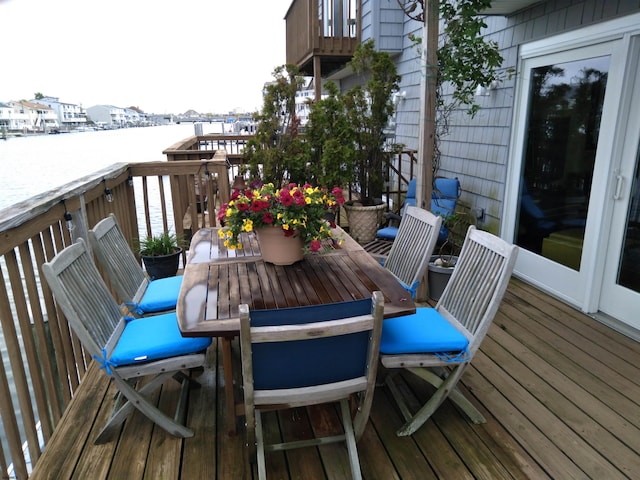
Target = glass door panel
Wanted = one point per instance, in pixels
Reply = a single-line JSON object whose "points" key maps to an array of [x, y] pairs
{"points": [[563, 123]]}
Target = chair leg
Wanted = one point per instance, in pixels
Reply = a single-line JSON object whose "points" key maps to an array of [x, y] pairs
{"points": [[137, 400], [350, 439], [455, 395], [442, 392], [262, 468]]}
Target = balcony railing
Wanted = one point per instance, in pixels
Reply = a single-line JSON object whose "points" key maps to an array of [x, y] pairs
{"points": [[43, 362]]}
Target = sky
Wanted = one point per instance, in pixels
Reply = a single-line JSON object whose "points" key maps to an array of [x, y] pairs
{"points": [[163, 56]]}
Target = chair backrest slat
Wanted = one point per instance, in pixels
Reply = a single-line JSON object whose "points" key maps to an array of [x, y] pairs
{"points": [[116, 258], [477, 285], [413, 245], [90, 308]]}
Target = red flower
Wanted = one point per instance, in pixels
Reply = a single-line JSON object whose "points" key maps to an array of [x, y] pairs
{"points": [[258, 206], [285, 197], [242, 207], [267, 218], [315, 245], [288, 233]]}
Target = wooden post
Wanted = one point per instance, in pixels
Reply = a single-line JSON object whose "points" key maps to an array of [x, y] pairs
{"points": [[427, 130]]}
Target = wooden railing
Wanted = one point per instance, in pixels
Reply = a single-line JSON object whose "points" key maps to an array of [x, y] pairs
{"points": [[43, 362]]}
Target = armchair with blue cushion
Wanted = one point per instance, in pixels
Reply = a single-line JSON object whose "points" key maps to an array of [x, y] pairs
{"points": [[444, 200]]}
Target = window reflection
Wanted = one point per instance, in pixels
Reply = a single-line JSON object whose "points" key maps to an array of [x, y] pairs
{"points": [[565, 108]]}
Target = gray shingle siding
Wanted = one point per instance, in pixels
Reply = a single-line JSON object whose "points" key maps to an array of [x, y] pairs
{"points": [[476, 150]]}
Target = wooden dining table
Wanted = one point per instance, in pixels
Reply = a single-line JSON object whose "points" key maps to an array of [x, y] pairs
{"points": [[218, 280]]}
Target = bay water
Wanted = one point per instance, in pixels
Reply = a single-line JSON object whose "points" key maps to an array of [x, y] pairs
{"points": [[32, 165]]}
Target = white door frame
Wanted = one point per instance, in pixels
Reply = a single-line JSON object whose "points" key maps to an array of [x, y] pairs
{"points": [[582, 288]]}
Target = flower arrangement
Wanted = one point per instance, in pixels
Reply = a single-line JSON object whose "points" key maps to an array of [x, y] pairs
{"points": [[297, 210]]}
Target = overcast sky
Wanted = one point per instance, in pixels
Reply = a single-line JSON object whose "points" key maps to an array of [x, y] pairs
{"points": [[163, 56]]}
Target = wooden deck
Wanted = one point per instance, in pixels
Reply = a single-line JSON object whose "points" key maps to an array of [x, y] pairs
{"points": [[560, 391]]}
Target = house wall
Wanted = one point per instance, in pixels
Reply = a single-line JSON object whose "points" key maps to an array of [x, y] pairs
{"points": [[476, 149]]}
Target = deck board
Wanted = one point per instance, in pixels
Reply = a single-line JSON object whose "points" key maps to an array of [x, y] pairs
{"points": [[560, 391]]}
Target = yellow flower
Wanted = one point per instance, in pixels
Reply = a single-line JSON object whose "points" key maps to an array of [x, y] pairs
{"points": [[222, 233], [247, 225]]}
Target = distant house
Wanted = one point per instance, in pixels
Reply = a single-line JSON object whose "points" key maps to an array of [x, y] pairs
{"points": [[30, 117], [108, 116], [70, 116], [551, 159]]}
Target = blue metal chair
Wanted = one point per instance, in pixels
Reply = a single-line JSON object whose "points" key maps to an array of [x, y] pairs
{"points": [[389, 232], [294, 357], [444, 199]]}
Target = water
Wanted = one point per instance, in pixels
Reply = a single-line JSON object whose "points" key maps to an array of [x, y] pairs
{"points": [[35, 164]]}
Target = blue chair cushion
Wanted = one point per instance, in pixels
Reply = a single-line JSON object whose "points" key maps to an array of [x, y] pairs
{"points": [[161, 295], [426, 331], [154, 338], [388, 233]]}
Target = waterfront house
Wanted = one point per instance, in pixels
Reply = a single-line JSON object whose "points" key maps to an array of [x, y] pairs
{"points": [[551, 159], [108, 115], [70, 116], [29, 117]]}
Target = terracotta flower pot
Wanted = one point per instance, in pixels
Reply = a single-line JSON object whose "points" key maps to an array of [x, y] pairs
{"points": [[278, 249]]}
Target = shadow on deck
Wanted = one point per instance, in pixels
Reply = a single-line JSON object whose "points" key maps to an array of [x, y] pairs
{"points": [[560, 391]]}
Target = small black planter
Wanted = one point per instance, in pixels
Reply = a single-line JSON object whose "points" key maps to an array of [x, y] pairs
{"points": [[162, 266], [438, 277]]}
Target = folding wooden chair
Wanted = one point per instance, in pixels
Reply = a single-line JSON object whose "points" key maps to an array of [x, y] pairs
{"points": [[125, 348], [125, 273], [409, 255], [310, 355], [437, 344]]}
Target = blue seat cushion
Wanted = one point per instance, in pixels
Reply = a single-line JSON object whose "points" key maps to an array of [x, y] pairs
{"points": [[154, 338], [388, 233], [161, 295], [426, 331]]}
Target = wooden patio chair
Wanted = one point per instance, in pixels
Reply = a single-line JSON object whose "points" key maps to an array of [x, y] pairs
{"points": [[437, 344], [301, 356], [125, 274], [125, 348], [409, 255]]}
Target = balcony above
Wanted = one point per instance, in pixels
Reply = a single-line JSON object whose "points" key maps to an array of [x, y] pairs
{"points": [[323, 31]]}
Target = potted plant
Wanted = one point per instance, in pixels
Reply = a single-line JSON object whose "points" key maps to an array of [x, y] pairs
{"points": [[277, 153], [441, 265], [160, 254], [289, 221], [368, 110]]}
